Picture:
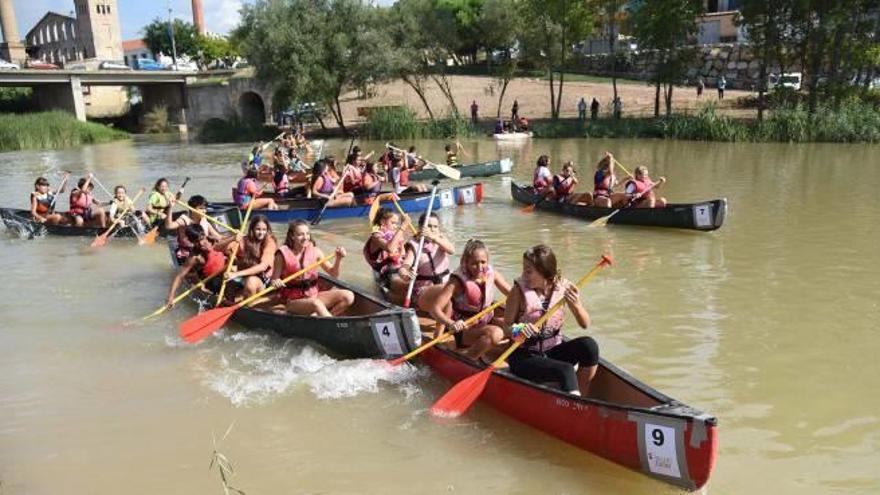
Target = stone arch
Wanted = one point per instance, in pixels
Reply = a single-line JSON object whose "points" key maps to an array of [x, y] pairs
{"points": [[251, 108]]}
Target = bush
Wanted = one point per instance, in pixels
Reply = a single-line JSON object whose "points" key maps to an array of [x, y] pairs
{"points": [[234, 130], [16, 100], [400, 122], [156, 120], [50, 130]]}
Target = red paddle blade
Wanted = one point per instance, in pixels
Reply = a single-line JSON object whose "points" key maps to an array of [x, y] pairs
{"points": [[397, 361], [204, 324], [150, 237], [460, 397], [99, 241], [528, 208]]}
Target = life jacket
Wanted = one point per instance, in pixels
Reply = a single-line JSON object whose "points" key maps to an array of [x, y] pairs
{"points": [[119, 206], [281, 182], [403, 179], [452, 159], [184, 247], [375, 187], [534, 306], [82, 204], [353, 179], [432, 267], [475, 296], [307, 284], [44, 201], [602, 184], [381, 261], [215, 262], [538, 179], [636, 187], [563, 186], [244, 192], [240, 261], [328, 184]]}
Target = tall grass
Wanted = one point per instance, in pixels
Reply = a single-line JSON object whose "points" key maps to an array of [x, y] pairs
{"points": [[51, 130], [234, 130], [401, 122]]}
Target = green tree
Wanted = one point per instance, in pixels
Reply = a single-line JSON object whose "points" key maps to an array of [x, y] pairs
{"points": [[158, 39], [611, 16], [465, 15], [501, 26], [666, 27], [552, 27], [214, 49], [767, 26]]}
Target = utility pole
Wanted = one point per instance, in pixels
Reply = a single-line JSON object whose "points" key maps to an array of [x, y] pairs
{"points": [[171, 33]]}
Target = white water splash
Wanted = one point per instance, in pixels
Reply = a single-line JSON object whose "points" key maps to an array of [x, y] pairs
{"points": [[353, 377]]}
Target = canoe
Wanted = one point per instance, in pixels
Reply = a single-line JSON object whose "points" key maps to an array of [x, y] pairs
{"points": [[21, 223], [513, 136], [621, 419], [484, 169], [707, 215], [371, 328], [308, 208]]}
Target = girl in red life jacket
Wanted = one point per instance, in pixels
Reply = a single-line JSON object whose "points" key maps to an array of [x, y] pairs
{"points": [[184, 246], [432, 271], [399, 176], [640, 189], [247, 190], [324, 180], [604, 181], [384, 250], [43, 201], [371, 183], [354, 177], [469, 290], [84, 208], [255, 257], [302, 296], [206, 258], [544, 357], [564, 184], [542, 177]]}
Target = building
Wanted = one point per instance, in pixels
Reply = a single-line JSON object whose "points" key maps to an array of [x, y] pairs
{"points": [[134, 50], [718, 24], [93, 34], [54, 39]]}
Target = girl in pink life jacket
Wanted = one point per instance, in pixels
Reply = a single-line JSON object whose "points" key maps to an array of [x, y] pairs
{"points": [[544, 357], [248, 190], [303, 296], [637, 187], [542, 177], [199, 204], [324, 180], [432, 271], [84, 208], [255, 257], [564, 184], [469, 290], [371, 183], [384, 250]]}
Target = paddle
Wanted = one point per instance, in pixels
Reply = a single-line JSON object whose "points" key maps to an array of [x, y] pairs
{"points": [[208, 217], [181, 296], [150, 237], [530, 208], [460, 148], [418, 253], [203, 324], [58, 192], [443, 169], [445, 335], [460, 397], [603, 221], [112, 197], [232, 251], [102, 239], [333, 194]]}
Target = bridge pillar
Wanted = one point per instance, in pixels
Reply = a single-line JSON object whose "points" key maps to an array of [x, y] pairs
{"points": [[173, 97], [67, 97]]}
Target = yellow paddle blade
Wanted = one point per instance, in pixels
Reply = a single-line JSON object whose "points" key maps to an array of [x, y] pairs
{"points": [[600, 222], [150, 237], [374, 209]]}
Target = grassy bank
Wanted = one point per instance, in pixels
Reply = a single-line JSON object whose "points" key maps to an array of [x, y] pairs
{"points": [[850, 123], [401, 123], [51, 130], [234, 131]]}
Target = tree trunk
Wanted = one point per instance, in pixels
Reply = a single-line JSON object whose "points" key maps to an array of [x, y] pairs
{"points": [[552, 95], [657, 99], [443, 83], [504, 84], [559, 95], [612, 45], [337, 113], [416, 85], [668, 98], [762, 78]]}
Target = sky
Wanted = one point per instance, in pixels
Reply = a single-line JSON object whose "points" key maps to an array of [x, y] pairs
{"points": [[220, 15]]}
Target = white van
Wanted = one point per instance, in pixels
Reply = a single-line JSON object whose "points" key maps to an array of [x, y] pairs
{"points": [[791, 80]]}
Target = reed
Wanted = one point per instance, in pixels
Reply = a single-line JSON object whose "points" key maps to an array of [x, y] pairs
{"points": [[51, 130], [400, 122], [224, 467]]}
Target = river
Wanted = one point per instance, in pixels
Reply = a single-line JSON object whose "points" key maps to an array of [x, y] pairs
{"points": [[770, 324]]}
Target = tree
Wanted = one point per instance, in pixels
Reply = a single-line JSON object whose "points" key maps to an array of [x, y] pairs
{"points": [[501, 27], [213, 49], [554, 25], [666, 26], [158, 39], [465, 15], [611, 16], [767, 26]]}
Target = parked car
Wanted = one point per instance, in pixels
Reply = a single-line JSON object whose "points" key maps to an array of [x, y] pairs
{"points": [[790, 80], [40, 65], [111, 65], [184, 66], [4, 65], [148, 64]]}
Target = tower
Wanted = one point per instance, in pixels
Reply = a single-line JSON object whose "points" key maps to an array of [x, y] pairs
{"points": [[198, 17], [12, 48], [98, 27]]}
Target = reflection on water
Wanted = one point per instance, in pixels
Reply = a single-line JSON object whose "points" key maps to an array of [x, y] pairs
{"points": [[768, 323]]}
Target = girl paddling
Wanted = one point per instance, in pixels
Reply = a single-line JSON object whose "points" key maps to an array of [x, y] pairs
{"points": [[206, 258], [179, 225], [384, 250], [432, 270], [255, 257], [43, 201], [84, 208]]}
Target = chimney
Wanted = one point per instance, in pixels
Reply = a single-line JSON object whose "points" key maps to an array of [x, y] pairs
{"points": [[198, 17]]}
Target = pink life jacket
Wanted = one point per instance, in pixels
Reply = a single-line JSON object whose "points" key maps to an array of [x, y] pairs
{"points": [[305, 285], [562, 186], [82, 204], [534, 307], [381, 261], [244, 197], [638, 186], [474, 297], [432, 267], [538, 181], [281, 182]]}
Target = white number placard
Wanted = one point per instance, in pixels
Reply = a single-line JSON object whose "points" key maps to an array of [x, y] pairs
{"points": [[660, 449], [446, 198], [220, 218], [703, 215], [467, 196], [387, 333]]}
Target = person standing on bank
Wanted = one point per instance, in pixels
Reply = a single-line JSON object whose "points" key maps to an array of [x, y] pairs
{"points": [[582, 110], [722, 83], [474, 110], [700, 85], [514, 112], [594, 109]]}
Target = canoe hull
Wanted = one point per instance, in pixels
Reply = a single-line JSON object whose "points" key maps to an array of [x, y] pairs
{"points": [[705, 216], [513, 136], [21, 224], [669, 441], [486, 169], [308, 209]]}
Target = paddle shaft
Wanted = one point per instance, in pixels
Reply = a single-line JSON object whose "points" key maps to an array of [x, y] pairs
{"points": [[208, 217], [284, 280], [232, 252], [443, 169], [58, 192], [185, 293], [122, 215], [333, 194], [418, 253], [628, 204]]}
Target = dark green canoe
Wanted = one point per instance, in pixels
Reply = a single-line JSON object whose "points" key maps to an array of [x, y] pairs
{"points": [[484, 169]]}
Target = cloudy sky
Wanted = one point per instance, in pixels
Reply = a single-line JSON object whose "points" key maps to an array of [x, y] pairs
{"points": [[220, 15]]}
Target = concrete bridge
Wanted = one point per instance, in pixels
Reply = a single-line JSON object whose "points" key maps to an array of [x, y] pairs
{"points": [[191, 99]]}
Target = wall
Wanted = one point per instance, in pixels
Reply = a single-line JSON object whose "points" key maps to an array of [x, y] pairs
{"points": [[221, 100]]}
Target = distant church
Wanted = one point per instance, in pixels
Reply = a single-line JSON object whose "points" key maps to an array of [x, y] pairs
{"points": [[93, 34]]}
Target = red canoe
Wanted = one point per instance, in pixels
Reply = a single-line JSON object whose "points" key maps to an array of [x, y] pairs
{"points": [[622, 419]]}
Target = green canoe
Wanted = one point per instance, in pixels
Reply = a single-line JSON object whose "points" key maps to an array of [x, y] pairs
{"points": [[484, 169]]}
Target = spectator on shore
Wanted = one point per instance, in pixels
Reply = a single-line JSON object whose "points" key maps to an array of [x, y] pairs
{"points": [[700, 85], [474, 109], [514, 111], [594, 109], [617, 107], [499, 127], [582, 110], [722, 83]]}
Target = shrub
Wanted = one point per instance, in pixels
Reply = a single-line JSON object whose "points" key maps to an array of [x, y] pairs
{"points": [[50, 130]]}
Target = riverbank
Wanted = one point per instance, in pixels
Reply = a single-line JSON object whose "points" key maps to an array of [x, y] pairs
{"points": [[51, 130]]}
